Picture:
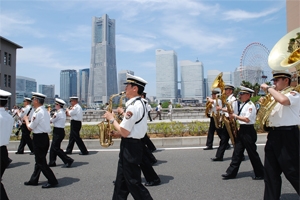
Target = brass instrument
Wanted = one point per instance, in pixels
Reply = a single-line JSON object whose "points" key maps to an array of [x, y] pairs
{"points": [[119, 118], [284, 55], [230, 124], [105, 127], [208, 107], [219, 83]]}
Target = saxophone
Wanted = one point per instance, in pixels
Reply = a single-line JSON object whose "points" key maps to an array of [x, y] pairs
{"points": [[230, 124], [105, 127], [208, 107]]}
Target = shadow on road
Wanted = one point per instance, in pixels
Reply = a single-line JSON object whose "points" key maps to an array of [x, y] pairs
{"points": [[17, 164], [67, 181]]}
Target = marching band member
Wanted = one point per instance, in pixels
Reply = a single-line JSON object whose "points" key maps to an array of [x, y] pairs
{"points": [[40, 127], [282, 147], [59, 121], [6, 124], [246, 138], [212, 126]]}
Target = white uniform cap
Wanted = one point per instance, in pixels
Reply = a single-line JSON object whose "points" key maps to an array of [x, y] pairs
{"points": [[246, 90], [229, 86], [27, 99], [38, 95], [60, 101], [4, 94], [135, 80], [281, 74]]}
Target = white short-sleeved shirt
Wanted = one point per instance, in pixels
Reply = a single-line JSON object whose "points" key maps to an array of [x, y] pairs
{"points": [[232, 100], [40, 121], [286, 115], [25, 111], [159, 108], [6, 124], [59, 119], [76, 113], [248, 111], [135, 109], [214, 106]]}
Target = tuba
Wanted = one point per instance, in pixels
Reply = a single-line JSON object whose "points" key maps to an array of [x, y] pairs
{"points": [[230, 124], [105, 127], [208, 107], [219, 83], [284, 55]]}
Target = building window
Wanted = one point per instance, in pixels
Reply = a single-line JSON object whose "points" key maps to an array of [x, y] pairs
{"points": [[9, 59], [9, 81], [5, 80], [5, 58]]}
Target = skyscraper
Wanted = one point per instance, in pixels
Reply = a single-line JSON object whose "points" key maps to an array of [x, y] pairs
{"points": [[103, 69], [192, 80], [68, 84], [166, 75], [24, 87], [83, 84], [122, 77], [49, 91]]}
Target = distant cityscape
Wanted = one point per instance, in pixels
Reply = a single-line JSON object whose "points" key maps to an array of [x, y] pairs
{"points": [[94, 85]]}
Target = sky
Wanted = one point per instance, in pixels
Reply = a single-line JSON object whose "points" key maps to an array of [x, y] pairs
{"points": [[56, 34]]}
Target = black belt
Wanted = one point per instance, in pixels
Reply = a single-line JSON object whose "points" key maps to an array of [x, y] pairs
{"points": [[282, 128], [133, 140], [39, 133], [246, 125]]}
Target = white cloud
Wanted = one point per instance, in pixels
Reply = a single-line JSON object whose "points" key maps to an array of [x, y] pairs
{"points": [[136, 45], [240, 15]]}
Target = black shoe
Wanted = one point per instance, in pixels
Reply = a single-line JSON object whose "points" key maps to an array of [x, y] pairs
{"points": [[31, 153], [48, 185], [68, 164], [68, 152], [208, 148], [85, 153], [258, 178], [228, 146], [52, 164], [30, 183], [19, 152], [216, 159], [153, 183], [228, 176]]}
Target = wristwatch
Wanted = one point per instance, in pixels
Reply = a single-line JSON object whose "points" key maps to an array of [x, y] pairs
{"points": [[111, 121]]}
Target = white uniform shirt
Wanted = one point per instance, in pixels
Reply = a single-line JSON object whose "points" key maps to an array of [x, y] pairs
{"points": [[248, 111], [214, 106], [76, 113], [159, 107], [286, 115], [6, 124], [231, 99], [149, 108], [59, 119], [133, 114], [25, 111], [170, 107], [40, 121]]}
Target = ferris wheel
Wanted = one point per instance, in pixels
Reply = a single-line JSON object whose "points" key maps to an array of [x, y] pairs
{"points": [[254, 66]]}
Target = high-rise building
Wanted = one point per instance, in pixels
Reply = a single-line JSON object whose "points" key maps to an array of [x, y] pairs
{"points": [[166, 75], [49, 91], [68, 84], [24, 87], [212, 75], [8, 60], [103, 69], [192, 80], [83, 85], [122, 77]]}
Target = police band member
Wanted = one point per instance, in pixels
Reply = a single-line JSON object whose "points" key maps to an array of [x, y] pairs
{"points": [[59, 121], [75, 112], [212, 126], [132, 128], [25, 139], [40, 127], [6, 124], [223, 133], [246, 137], [282, 147]]}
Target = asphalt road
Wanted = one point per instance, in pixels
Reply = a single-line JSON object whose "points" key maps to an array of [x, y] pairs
{"points": [[186, 174]]}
